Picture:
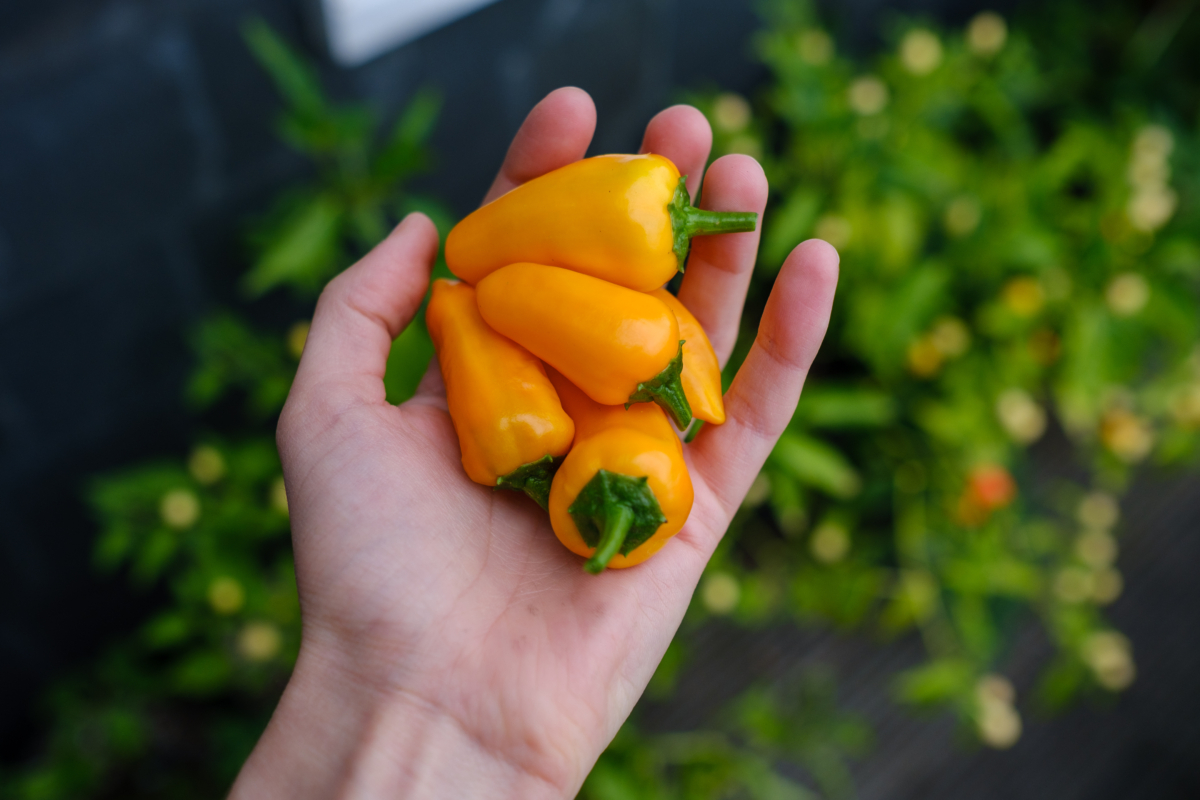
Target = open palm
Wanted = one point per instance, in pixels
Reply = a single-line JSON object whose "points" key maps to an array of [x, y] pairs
{"points": [[452, 647]]}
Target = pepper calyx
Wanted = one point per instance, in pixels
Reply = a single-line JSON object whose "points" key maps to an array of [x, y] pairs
{"points": [[688, 221], [666, 389], [615, 513], [533, 479]]}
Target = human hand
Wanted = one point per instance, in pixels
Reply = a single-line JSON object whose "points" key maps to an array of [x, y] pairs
{"points": [[452, 647]]}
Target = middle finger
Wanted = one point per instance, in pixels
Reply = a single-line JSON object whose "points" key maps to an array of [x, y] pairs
{"points": [[680, 133], [718, 274]]}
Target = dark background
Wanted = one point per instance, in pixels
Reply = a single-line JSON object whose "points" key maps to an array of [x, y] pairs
{"points": [[136, 139]]}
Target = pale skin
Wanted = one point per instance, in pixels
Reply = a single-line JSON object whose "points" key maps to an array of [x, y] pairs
{"points": [[451, 646]]}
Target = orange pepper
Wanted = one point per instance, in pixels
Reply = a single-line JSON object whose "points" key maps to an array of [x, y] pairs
{"points": [[701, 376], [511, 427], [616, 344], [623, 218], [624, 488]]}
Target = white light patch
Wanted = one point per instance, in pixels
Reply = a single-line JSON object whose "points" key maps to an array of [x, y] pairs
{"points": [[359, 30]]}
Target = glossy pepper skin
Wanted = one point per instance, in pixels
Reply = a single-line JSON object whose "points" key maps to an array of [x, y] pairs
{"points": [[624, 488], [701, 376], [616, 344], [511, 427], [625, 219]]}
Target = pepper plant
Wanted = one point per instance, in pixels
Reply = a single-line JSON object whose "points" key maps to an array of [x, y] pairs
{"points": [[1015, 269], [175, 709]]}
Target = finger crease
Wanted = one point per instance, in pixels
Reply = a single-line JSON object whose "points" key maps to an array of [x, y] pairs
{"points": [[770, 346], [750, 418], [351, 302], [737, 265]]}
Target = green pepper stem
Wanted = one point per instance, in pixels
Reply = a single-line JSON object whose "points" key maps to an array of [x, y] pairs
{"points": [[615, 513], [666, 389], [534, 479], [699, 222], [616, 526], [688, 221], [671, 398]]}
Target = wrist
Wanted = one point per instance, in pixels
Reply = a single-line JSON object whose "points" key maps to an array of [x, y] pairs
{"points": [[334, 735]]}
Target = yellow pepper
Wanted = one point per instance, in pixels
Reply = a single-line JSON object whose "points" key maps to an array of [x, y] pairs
{"points": [[624, 488], [701, 376], [626, 219], [511, 427], [616, 344]]}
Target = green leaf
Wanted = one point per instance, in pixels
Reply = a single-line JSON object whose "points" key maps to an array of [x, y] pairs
{"points": [[1085, 366], [841, 594], [994, 576], [367, 224], [114, 544], [202, 673], [666, 674], [407, 361], [404, 152], [940, 681], [1061, 682], [126, 731], [1179, 256], [155, 553], [815, 463], [166, 630], [609, 781], [913, 601], [787, 502], [303, 249], [764, 783], [830, 407], [757, 713], [885, 318], [293, 77], [233, 356], [900, 233], [788, 225], [974, 625]]}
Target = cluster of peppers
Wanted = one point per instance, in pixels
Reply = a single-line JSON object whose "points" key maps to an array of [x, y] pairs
{"points": [[563, 356]]}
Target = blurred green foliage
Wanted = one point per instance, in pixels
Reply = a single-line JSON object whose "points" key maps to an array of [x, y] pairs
{"points": [[175, 709], [796, 722], [1019, 264], [316, 231], [1016, 213]]}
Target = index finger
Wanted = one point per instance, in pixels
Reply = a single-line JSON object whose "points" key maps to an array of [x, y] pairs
{"points": [[556, 132], [358, 315], [681, 133]]}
